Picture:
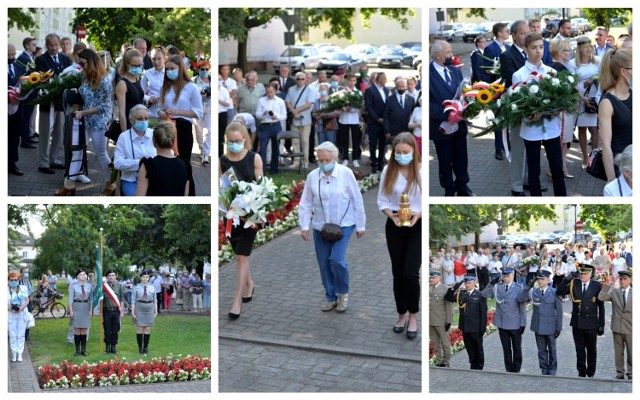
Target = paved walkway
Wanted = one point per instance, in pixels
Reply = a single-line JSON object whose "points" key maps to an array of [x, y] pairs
{"points": [[282, 342], [494, 378], [35, 183]]}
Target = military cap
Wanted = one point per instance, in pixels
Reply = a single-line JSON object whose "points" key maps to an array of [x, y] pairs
{"points": [[507, 271], [624, 273], [468, 278], [543, 273], [434, 273]]}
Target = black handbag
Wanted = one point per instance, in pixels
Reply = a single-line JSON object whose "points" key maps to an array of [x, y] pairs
{"points": [[331, 232], [114, 131], [596, 165], [589, 109]]}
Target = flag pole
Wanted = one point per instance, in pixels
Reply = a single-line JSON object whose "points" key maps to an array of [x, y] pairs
{"points": [[100, 303]]}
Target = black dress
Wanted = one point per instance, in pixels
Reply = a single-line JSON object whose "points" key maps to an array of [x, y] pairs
{"points": [[241, 238], [167, 176], [134, 96], [621, 135]]}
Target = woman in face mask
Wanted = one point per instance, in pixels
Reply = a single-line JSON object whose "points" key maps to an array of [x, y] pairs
{"points": [[614, 109], [165, 174], [181, 101], [152, 80], [203, 125], [129, 89], [332, 196], [247, 167], [96, 90], [403, 175], [325, 122], [133, 145], [18, 301]]}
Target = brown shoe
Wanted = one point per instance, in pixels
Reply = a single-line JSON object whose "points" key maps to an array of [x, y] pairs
{"points": [[109, 191], [64, 191]]}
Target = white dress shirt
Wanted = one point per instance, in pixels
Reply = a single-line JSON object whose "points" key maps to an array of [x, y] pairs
{"points": [[276, 105], [127, 155], [223, 94], [190, 99], [392, 201], [416, 118], [340, 196], [382, 93], [613, 188], [249, 121], [151, 83], [351, 117], [495, 267], [440, 70]]}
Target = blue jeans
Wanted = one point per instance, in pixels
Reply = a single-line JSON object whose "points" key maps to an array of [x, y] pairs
{"points": [[270, 132], [128, 188], [326, 136], [334, 270]]}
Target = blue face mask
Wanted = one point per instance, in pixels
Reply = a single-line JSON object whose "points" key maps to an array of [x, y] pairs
{"points": [[13, 284], [235, 147], [323, 93], [404, 159], [204, 74], [135, 71], [334, 84], [141, 126], [327, 167], [26, 274], [630, 84], [172, 74]]}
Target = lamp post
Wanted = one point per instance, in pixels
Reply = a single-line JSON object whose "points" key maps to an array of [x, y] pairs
{"points": [[575, 220]]}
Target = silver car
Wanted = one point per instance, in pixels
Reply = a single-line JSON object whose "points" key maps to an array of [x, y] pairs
{"points": [[299, 58]]}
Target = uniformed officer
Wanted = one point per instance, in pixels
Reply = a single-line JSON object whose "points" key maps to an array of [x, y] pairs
{"points": [[546, 321], [80, 310], [510, 317], [144, 310], [473, 318], [587, 316], [621, 321], [440, 318], [112, 311]]}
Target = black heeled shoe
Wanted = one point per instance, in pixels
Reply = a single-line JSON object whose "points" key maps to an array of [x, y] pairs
{"points": [[248, 299], [233, 316]]}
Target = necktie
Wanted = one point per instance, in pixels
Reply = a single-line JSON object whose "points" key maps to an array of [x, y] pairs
{"points": [[55, 60], [447, 77], [11, 71], [524, 53], [542, 293], [401, 102], [584, 289], [82, 286], [144, 295], [624, 299], [506, 288]]}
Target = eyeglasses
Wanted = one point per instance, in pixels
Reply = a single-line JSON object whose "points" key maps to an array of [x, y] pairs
{"points": [[204, 69], [236, 141], [141, 118], [301, 79], [13, 280]]}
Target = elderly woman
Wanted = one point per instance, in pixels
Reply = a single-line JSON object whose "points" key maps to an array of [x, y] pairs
{"points": [[164, 174], [332, 196], [586, 66], [247, 167], [561, 52], [133, 145], [614, 110], [622, 185], [203, 125], [144, 310], [403, 175], [325, 122], [80, 310], [18, 301]]}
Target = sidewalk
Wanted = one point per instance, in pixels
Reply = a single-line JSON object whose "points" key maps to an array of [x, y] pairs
{"points": [[35, 183], [282, 342], [494, 378]]}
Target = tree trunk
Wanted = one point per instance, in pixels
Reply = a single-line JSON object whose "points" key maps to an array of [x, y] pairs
{"points": [[476, 241], [242, 56]]}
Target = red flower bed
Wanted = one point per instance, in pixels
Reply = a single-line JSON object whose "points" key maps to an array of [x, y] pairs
{"points": [[455, 334]]}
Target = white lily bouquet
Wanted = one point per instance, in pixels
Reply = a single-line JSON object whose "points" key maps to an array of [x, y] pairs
{"points": [[250, 203], [532, 260]]}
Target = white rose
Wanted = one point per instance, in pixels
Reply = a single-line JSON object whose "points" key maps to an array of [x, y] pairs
{"points": [[546, 101], [514, 106], [555, 82], [570, 78], [517, 89], [497, 120], [499, 102], [534, 89]]}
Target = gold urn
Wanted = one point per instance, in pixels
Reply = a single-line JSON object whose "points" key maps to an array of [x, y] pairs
{"points": [[404, 211]]}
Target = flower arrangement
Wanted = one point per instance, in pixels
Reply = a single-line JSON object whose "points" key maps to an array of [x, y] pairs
{"points": [[479, 96], [51, 89], [118, 372], [494, 68], [532, 260], [343, 98]]}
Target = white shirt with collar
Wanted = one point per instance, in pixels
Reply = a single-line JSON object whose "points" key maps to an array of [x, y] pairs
{"points": [[391, 201], [612, 189], [551, 125], [522, 52], [223, 94], [340, 196], [440, 70], [249, 121], [190, 99], [128, 155], [276, 105], [151, 83], [351, 117], [382, 93], [413, 94]]}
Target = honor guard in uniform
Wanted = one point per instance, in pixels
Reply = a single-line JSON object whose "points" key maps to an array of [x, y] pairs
{"points": [[587, 316], [440, 318], [546, 321], [80, 310], [473, 318], [621, 321], [112, 310], [144, 310], [510, 317]]}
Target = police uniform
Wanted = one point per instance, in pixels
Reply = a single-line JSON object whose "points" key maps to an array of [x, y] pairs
{"points": [[440, 319], [144, 301], [111, 312], [587, 320], [472, 321], [81, 300], [510, 318], [546, 322]]}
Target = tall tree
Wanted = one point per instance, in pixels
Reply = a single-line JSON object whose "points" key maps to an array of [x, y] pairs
{"points": [[603, 16], [188, 230], [20, 19], [608, 219]]}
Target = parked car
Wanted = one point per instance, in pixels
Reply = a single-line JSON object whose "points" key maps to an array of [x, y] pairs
{"points": [[470, 34], [394, 58], [596, 239], [417, 60], [298, 58], [582, 238], [343, 61], [363, 51], [410, 45], [524, 241], [581, 25], [450, 32], [501, 240], [327, 50], [565, 238]]}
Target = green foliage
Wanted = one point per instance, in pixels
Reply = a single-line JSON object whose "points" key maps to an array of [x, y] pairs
{"points": [[452, 13], [22, 20], [189, 227], [602, 16], [608, 219]]}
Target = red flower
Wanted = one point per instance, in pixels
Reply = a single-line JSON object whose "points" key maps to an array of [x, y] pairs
{"points": [[534, 73]]}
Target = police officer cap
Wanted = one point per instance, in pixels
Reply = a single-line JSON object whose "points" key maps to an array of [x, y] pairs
{"points": [[585, 268], [111, 271], [434, 273], [470, 278], [543, 273], [507, 271], [624, 273]]}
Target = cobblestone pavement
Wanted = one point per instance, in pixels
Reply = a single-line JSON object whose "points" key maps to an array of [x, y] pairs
{"points": [[494, 378], [283, 342]]}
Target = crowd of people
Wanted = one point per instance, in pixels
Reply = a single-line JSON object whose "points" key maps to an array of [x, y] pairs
{"points": [[545, 279], [118, 101], [603, 84], [300, 104]]}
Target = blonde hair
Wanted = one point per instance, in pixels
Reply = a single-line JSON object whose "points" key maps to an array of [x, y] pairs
{"points": [[126, 60], [612, 62], [163, 135], [393, 168], [237, 126], [558, 46], [584, 41]]}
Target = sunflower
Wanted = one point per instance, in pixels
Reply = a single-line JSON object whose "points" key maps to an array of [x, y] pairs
{"points": [[497, 87], [484, 96], [34, 78], [465, 90]]}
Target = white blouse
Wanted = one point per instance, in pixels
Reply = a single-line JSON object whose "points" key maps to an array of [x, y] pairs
{"points": [[130, 149], [190, 99], [151, 83], [416, 118], [392, 201]]}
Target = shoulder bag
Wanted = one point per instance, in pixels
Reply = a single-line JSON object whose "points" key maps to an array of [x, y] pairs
{"points": [[289, 114], [331, 232]]}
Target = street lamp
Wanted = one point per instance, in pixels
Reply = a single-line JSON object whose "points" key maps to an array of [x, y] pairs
{"points": [[575, 221]]}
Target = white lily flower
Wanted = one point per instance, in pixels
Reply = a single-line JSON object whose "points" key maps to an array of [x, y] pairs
{"points": [[514, 107]]}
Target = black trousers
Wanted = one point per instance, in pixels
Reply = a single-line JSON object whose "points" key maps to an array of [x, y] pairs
{"points": [[511, 349], [586, 351], [222, 125], [312, 144], [554, 155], [377, 145], [473, 344], [14, 131], [160, 299], [453, 159], [111, 323], [356, 137], [405, 251], [185, 147], [483, 277]]}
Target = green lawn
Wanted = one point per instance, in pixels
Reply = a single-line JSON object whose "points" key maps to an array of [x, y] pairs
{"points": [[286, 176], [175, 334]]}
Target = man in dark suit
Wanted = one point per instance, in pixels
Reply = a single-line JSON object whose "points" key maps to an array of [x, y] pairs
{"points": [[286, 82], [478, 73], [601, 45], [493, 51], [587, 316], [15, 118], [25, 59], [397, 111], [50, 154], [375, 98], [451, 148]]}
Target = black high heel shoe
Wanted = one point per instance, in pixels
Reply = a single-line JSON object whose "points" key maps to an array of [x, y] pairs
{"points": [[248, 299], [233, 316]]}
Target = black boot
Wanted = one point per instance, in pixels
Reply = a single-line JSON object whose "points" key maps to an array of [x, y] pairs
{"points": [[139, 339], [83, 343], [108, 349], [146, 343], [113, 349], [76, 340]]}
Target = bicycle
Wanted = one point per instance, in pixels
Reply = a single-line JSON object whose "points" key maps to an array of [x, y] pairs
{"points": [[57, 309]]}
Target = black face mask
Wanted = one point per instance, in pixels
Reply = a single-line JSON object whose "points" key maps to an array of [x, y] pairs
{"points": [[401, 91], [12, 60], [448, 61]]}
